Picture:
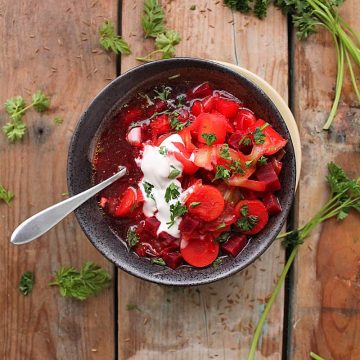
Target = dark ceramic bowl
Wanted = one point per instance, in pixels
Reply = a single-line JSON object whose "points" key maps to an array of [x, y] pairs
{"points": [[103, 107]]}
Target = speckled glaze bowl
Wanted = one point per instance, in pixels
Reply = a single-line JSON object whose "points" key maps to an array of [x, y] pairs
{"points": [[111, 98]]}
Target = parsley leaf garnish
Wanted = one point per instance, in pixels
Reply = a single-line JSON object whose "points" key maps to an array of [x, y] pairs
{"points": [[109, 40], [174, 173], [176, 210], [259, 136], [131, 237], [172, 192], [58, 120], [236, 167], [217, 262], [166, 42], [176, 124], [224, 152], [158, 261], [83, 283], [40, 101], [262, 160], [245, 141], [221, 173], [223, 237], [220, 226], [6, 195], [15, 107], [26, 282], [247, 223], [195, 204], [163, 94], [244, 210], [163, 150], [14, 130], [209, 138], [148, 189]]}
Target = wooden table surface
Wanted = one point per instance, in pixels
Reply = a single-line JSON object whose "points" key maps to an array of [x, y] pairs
{"points": [[53, 45]]}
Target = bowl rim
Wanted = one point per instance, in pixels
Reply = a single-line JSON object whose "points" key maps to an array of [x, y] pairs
{"points": [[196, 280]]}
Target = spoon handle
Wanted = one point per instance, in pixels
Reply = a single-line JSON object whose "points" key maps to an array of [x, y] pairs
{"points": [[43, 221]]}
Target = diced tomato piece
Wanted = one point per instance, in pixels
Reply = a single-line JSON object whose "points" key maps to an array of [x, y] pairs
{"points": [[212, 124], [201, 91], [160, 125], [272, 204], [273, 141], [151, 225], [126, 203], [252, 210], [244, 119], [234, 244], [200, 251], [134, 136], [172, 259], [161, 138], [277, 165], [267, 174], [209, 103], [183, 156], [226, 107], [238, 180], [132, 114], [211, 203], [139, 196], [103, 201], [197, 108], [186, 138]]}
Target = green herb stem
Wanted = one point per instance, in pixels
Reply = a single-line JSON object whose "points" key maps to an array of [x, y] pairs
{"points": [[270, 303], [352, 76], [316, 356]]}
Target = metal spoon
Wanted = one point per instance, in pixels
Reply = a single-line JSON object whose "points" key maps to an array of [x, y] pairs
{"points": [[43, 221]]}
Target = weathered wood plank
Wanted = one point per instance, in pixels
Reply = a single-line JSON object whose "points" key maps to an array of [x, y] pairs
{"points": [[217, 320], [325, 301], [48, 45]]}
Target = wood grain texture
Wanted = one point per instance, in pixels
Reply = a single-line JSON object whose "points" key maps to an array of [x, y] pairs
{"points": [[325, 300], [53, 46], [215, 321]]}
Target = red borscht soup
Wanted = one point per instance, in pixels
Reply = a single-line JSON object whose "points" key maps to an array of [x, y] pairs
{"points": [[203, 172]]}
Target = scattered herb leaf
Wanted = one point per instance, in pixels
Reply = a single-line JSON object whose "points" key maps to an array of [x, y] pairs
{"points": [[176, 210], [153, 19], [83, 283], [217, 262], [221, 173], [172, 192], [163, 150], [223, 237], [247, 223], [224, 152], [26, 282], [58, 120], [40, 101], [262, 160], [158, 261], [109, 40], [131, 237], [174, 173], [6, 195], [148, 189]]}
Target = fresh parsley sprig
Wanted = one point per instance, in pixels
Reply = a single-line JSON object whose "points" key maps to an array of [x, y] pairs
{"points": [[307, 16], [345, 195], [176, 210], [6, 195], [154, 26], [16, 108], [209, 138], [83, 283], [109, 40]]}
